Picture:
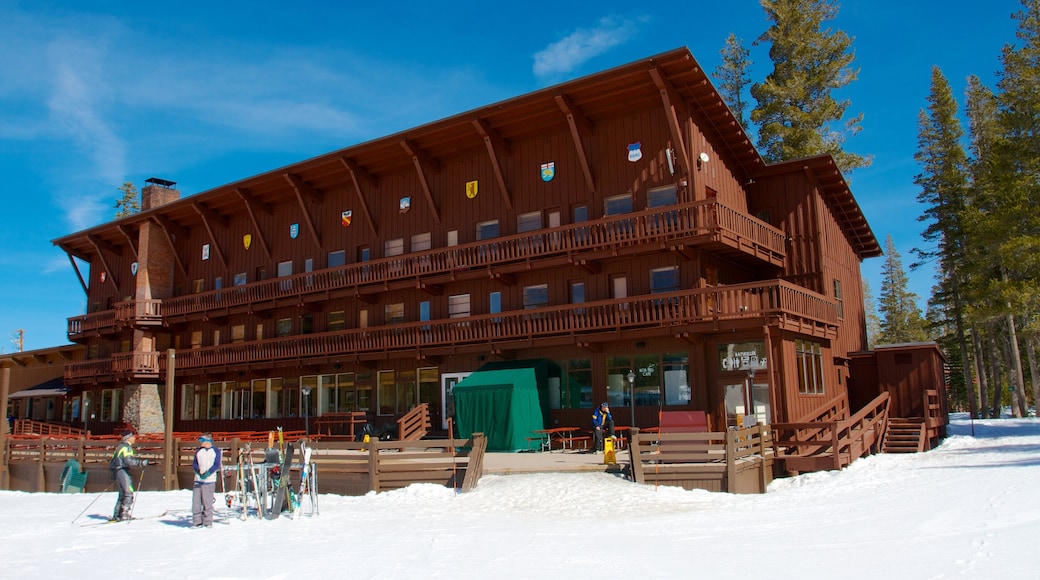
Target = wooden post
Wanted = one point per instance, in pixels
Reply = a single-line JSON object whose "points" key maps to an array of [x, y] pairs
{"points": [[169, 460], [633, 454], [373, 465], [5, 387], [731, 464]]}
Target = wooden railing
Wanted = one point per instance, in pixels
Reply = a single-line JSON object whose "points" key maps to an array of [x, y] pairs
{"points": [[345, 467], [734, 461], [823, 445], [44, 429], [415, 424], [704, 222], [669, 312]]}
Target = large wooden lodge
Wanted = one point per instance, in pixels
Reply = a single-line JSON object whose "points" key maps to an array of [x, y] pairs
{"points": [[619, 225]]}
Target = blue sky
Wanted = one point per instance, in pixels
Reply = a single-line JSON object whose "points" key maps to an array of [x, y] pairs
{"points": [[93, 94]]}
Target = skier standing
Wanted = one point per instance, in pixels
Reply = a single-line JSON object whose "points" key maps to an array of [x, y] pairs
{"points": [[122, 460], [206, 464]]}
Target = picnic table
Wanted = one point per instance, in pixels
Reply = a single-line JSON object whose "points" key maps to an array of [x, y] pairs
{"points": [[562, 435]]}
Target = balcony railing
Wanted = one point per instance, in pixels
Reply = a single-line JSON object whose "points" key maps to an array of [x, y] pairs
{"points": [[704, 309], [705, 222], [136, 312]]}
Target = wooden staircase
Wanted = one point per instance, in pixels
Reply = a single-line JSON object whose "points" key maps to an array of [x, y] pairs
{"points": [[905, 436]]}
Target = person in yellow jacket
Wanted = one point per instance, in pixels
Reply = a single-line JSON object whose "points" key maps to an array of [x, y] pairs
{"points": [[122, 460]]}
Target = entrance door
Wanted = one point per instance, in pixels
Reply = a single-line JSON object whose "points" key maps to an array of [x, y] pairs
{"points": [[448, 382], [742, 401]]}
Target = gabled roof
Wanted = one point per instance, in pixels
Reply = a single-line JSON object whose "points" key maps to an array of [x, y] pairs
{"points": [[824, 172], [673, 77]]}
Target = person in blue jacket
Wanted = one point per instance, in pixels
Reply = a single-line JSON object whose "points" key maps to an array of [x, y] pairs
{"points": [[602, 425], [206, 465], [122, 460]]}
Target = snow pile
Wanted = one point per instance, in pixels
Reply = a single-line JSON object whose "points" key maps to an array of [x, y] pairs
{"points": [[968, 509]]}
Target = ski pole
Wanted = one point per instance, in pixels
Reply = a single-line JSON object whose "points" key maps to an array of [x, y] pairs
{"points": [[93, 502], [140, 480]]}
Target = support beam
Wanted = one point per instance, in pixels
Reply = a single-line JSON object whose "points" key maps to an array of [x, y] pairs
{"points": [[301, 189], [98, 246], [580, 127], [251, 206], [357, 175], [79, 274], [494, 143], [422, 162], [673, 110], [207, 214], [129, 239], [166, 225]]}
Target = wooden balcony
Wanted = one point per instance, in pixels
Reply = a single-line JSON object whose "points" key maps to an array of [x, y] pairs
{"points": [[133, 313], [676, 314], [706, 224]]}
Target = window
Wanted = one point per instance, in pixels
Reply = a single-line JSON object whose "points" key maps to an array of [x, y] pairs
{"points": [[218, 283], [809, 359], [111, 404], [422, 242], [837, 298], [578, 295], [424, 313], [487, 230], [306, 323], [240, 279], [648, 380], [394, 313], [283, 327], [259, 331], [580, 213], [495, 305], [196, 339], [536, 296], [216, 337], [458, 306], [397, 392], [238, 333], [574, 388], [453, 238], [617, 204], [528, 222], [664, 280], [362, 318], [258, 404], [198, 285], [285, 268], [261, 273], [364, 254], [337, 258], [620, 287], [335, 320], [393, 247], [661, 196]]}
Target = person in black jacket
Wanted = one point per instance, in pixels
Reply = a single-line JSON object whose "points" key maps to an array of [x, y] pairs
{"points": [[122, 460], [602, 426]]}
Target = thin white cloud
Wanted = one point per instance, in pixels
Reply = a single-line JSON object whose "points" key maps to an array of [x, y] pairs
{"points": [[583, 44]]}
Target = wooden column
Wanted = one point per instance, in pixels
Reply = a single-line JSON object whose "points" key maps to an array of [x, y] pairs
{"points": [[169, 461]]}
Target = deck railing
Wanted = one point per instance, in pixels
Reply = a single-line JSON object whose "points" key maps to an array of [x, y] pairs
{"points": [[717, 306], [825, 445], [703, 222]]}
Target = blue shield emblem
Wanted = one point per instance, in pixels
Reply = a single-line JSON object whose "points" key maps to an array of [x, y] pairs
{"points": [[133, 268], [294, 230], [548, 171], [635, 151]]}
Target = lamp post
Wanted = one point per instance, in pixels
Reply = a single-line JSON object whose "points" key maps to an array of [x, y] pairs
{"points": [[632, 396], [306, 409]]}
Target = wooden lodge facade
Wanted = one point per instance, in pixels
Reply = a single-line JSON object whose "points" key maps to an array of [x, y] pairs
{"points": [[619, 225]]}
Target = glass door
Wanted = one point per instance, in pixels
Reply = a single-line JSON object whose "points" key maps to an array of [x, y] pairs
{"points": [[448, 382]]}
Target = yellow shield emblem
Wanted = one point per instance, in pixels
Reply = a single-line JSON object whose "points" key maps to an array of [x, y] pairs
{"points": [[246, 240], [471, 189]]}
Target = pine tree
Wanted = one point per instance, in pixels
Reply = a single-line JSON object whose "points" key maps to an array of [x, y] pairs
{"points": [[129, 203], [944, 190], [733, 78], [873, 322], [901, 319], [797, 113]]}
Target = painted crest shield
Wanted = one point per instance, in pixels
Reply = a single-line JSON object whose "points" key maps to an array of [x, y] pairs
{"points": [[294, 230], [103, 276], [406, 204], [346, 217], [205, 251], [246, 240], [635, 151], [133, 268], [471, 189], [548, 171]]}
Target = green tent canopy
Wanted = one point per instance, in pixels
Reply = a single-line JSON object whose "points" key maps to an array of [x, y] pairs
{"points": [[502, 404]]}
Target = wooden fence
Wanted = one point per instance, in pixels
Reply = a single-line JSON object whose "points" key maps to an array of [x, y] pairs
{"points": [[736, 461], [348, 468]]}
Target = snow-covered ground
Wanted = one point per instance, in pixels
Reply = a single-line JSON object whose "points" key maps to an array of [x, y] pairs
{"points": [[969, 509]]}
